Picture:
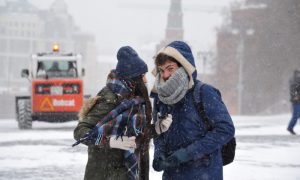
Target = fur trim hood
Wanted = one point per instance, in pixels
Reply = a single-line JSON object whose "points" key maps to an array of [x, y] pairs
{"points": [[87, 106], [180, 51]]}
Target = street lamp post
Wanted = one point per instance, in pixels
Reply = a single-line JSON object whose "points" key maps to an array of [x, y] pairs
{"points": [[240, 57], [240, 87], [206, 58]]}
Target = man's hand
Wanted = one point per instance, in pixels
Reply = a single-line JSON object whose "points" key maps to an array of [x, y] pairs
{"points": [[159, 163], [162, 125], [178, 157], [124, 143]]}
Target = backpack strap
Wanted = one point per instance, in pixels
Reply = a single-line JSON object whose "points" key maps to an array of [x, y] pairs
{"points": [[227, 150], [198, 100]]}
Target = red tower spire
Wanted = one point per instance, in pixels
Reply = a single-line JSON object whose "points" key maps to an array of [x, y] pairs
{"points": [[174, 30]]}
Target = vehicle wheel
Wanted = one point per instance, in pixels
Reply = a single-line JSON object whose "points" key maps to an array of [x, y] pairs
{"points": [[24, 114]]}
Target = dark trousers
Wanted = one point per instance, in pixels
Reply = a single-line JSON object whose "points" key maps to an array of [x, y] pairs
{"points": [[295, 116]]}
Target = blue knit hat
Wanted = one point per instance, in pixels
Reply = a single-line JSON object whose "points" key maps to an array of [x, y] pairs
{"points": [[129, 64]]}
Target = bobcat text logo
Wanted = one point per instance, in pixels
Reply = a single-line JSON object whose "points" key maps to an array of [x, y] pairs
{"points": [[61, 102]]}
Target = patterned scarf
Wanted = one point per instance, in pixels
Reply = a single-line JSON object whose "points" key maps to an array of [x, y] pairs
{"points": [[127, 119], [121, 87], [174, 89]]}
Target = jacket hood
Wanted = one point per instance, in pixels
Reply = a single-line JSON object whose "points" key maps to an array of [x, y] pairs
{"points": [[180, 51]]}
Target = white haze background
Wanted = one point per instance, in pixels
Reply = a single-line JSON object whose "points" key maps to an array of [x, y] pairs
{"points": [[138, 22]]}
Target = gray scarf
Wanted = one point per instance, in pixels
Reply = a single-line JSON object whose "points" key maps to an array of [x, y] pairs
{"points": [[174, 89]]}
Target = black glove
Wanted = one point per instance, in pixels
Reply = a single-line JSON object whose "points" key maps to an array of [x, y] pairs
{"points": [[178, 157], [159, 163]]}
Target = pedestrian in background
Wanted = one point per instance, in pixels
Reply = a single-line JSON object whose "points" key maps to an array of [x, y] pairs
{"points": [[187, 150], [295, 100]]}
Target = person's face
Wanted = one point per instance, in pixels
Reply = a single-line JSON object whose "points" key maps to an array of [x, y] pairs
{"points": [[167, 69], [145, 79]]}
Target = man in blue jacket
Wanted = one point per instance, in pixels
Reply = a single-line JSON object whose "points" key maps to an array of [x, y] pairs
{"points": [[187, 150]]}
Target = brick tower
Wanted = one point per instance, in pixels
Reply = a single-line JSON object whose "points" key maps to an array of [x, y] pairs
{"points": [[174, 30]]}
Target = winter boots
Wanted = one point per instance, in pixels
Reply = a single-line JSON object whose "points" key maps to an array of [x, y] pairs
{"points": [[291, 131]]}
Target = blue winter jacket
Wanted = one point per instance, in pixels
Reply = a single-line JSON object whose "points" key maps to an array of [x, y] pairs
{"points": [[188, 132]]}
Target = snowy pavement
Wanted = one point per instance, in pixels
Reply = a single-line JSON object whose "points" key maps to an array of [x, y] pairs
{"points": [[265, 151]]}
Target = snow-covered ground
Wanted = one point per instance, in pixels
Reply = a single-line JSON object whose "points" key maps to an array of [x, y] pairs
{"points": [[265, 151]]}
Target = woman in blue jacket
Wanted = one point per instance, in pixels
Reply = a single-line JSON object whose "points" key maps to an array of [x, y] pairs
{"points": [[187, 150]]}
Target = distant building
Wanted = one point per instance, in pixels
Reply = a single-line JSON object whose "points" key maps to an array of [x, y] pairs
{"points": [[25, 29], [257, 52]]}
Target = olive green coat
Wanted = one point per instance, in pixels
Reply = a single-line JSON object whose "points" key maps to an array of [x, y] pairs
{"points": [[104, 163]]}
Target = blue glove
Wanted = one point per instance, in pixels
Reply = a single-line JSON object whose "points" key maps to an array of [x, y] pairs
{"points": [[178, 157]]}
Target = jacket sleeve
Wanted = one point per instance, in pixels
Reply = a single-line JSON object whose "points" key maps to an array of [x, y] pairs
{"points": [[103, 106], [223, 128], [294, 91]]}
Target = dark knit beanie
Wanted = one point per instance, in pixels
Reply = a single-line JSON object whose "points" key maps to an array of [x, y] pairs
{"points": [[129, 64]]}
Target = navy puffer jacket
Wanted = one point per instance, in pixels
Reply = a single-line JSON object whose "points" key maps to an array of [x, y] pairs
{"points": [[188, 132], [295, 87]]}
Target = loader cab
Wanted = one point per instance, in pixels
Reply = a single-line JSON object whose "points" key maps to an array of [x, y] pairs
{"points": [[57, 69]]}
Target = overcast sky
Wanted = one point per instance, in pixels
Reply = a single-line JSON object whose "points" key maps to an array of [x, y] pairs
{"points": [[141, 22]]}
